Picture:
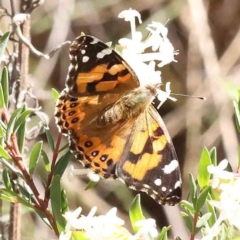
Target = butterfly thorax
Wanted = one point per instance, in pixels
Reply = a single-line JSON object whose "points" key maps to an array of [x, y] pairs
{"points": [[129, 106]]}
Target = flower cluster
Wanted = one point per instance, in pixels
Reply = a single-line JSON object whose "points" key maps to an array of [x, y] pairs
{"points": [[226, 188], [105, 227], [132, 50]]}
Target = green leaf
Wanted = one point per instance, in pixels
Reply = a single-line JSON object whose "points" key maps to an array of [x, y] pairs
{"points": [[28, 196], [202, 198], [11, 167], [203, 174], [3, 44], [4, 153], [62, 164], [21, 119], [5, 86], [55, 94], [55, 196], [6, 179], [135, 213], [46, 161], [188, 221], [10, 196], [34, 157], [49, 137], [213, 156], [188, 207], [2, 104], [163, 233], [1, 131], [64, 202], [211, 210], [11, 123], [193, 189], [237, 114], [91, 184], [79, 235], [21, 137], [203, 220]]}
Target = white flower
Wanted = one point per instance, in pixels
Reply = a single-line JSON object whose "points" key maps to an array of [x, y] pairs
{"points": [[72, 172], [148, 227], [72, 218], [219, 173], [210, 233], [106, 227], [144, 63], [65, 236], [228, 201]]}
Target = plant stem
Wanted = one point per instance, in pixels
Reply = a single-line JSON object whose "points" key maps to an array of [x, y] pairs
{"points": [[195, 218]]}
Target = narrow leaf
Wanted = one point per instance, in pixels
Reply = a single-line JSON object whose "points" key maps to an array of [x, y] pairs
{"points": [[64, 202], [2, 103], [237, 115], [13, 197], [34, 157], [11, 167], [11, 123], [213, 156], [28, 196], [135, 212], [5, 86], [3, 44], [21, 137], [62, 163], [4, 153], [6, 179], [193, 189], [211, 210], [91, 184], [55, 196], [163, 233], [188, 221], [55, 94], [49, 137], [21, 119], [188, 207], [46, 161], [203, 174], [202, 198], [203, 220]]}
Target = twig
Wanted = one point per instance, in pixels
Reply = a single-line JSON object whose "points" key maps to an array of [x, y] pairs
{"points": [[195, 218], [18, 20], [2, 225]]}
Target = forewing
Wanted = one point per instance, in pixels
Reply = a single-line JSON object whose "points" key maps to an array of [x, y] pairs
{"points": [[95, 68], [149, 162]]}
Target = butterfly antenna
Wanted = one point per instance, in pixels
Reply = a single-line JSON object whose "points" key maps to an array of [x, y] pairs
{"points": [[183, 95]]}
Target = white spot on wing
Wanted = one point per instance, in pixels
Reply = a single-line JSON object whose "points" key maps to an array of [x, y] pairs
{"points": [[164, 189], [170, 167], [85, 59], [83, 51], [177, 184], [107, 51], [100, 55], [158, 182], [94, 41]]}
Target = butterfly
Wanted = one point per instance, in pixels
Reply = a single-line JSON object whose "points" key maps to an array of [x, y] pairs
{"points": [[112, 127]]}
